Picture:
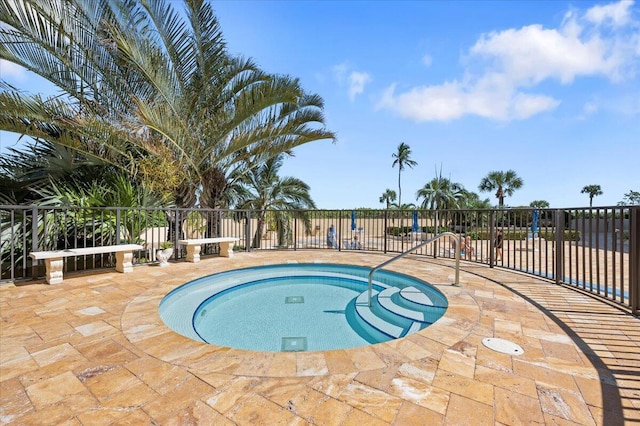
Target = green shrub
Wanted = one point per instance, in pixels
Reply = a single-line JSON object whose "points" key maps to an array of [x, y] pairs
{"points": [[476, 235], [506, 234], [569, 235], [432, 229], [397, 231]]}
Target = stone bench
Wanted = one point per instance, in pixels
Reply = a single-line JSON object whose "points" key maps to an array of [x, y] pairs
{"points": [[54, 258], [194, 245]]}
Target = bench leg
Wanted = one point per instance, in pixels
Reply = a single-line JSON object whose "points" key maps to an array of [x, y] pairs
{"points": [[193, 253], [123, 261], [226, 249], [54, 270]]}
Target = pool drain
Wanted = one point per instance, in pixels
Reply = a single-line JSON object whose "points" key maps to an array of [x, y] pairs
{"points": [[294, 344], [502, 346], [294, 299]]}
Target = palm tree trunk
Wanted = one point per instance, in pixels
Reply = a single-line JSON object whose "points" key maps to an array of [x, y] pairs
{"points": [[257, 238], [215, 184], [399, 188], [500, 195]]}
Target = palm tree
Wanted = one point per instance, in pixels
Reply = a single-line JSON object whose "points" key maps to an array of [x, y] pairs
{"points": [[631, 198], [285, 197], [471, 200], [39, 164], [402, 159], [505, 183], [152, 90], [440, 193], [404, 206], [388, 197], [539, 204], [592, 190]]}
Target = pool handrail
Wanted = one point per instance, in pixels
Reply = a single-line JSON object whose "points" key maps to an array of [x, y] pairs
{"points": [[423, 243]]}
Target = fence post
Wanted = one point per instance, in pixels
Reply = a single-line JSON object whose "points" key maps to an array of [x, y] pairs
{"points": [[634, 260], [384, 231], [492, 230], [559, 247], [117, 225], [435, 232], [295, 233], [176, 237], [247, 230], [34, 240], [339, 231], [34, 228]]}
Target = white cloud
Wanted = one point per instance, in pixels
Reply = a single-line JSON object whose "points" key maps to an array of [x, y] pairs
{"points": [[616, 13], [357, 81], [427, 60], [525, 106], [503, 67], [452, 100], [9, 69], [340, 71], [354, 80], [532, 54]]}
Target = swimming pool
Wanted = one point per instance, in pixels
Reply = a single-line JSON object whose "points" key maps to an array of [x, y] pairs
{"points": [[301, 307]]}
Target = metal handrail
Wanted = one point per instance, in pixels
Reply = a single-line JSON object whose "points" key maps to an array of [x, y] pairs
{"points": [[424, 243]]}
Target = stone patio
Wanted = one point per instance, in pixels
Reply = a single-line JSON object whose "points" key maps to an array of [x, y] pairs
{"points": [[94, 351]]}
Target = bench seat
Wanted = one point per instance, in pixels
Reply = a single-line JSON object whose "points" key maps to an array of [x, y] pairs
{"points": [[54, 258], [194, 246]]}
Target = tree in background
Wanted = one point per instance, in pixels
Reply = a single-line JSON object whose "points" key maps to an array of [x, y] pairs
{"points": [[440, 193], [25, 172], [471, 200], [149, 87], [404, 206], [402, 158], [388, 197], [504, 183], [593, 191], [283, 197], [539, 204], [631, 198]]}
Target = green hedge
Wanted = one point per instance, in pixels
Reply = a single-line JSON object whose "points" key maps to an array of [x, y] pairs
{"points": [[506, 235], [397, 231], [511, 234], [569, 235]]}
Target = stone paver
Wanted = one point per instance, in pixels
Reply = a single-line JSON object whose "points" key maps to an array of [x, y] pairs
{"points": [[93, 350]]}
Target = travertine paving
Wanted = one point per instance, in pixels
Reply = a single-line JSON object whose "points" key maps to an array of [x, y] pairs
{"points": [[93, 350]]}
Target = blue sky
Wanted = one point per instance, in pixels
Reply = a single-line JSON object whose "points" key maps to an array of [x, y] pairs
{"points": [[550, 89]]}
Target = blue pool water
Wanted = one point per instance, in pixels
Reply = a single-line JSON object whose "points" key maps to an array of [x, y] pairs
{"points": [[301, 307]]}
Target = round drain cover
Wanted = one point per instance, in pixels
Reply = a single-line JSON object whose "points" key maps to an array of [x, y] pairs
{"points": [[503, 346]]}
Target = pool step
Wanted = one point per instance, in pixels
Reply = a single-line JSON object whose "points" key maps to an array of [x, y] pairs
{"points": [[370, 318], [414, 295], [384, 320], [386, 301]]}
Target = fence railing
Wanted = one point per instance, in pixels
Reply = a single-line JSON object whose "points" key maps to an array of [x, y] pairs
{"points": [[594, 249]]}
